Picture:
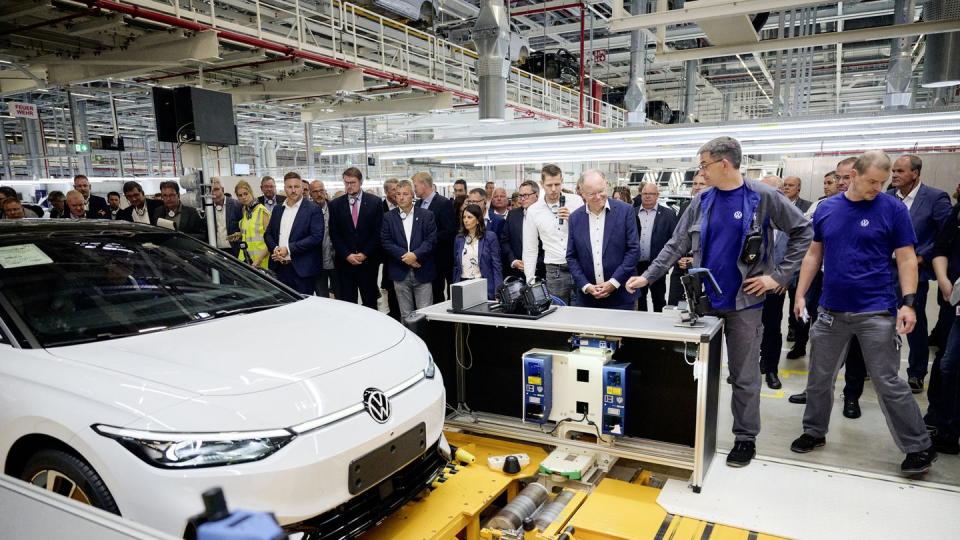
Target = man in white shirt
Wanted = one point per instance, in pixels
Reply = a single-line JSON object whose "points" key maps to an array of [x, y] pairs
{"points": [[547, 222], [294, 237], [408, 236]]}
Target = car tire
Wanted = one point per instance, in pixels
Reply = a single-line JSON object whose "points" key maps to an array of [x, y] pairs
{"points": [[70, 476]]}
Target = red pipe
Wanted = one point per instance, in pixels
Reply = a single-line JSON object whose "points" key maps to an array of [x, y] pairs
{"points": [[596, 92], [521, 13]]}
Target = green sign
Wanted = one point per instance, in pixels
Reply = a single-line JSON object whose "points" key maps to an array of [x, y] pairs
{"points": [[81, 148]]}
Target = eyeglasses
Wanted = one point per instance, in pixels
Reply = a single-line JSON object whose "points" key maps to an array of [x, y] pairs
{"points": [[525, 195], [705, 165]]}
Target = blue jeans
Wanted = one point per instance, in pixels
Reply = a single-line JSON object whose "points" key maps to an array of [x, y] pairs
{"points": [[948, 396]]}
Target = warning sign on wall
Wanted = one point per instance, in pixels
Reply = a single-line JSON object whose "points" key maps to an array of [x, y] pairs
{"points": [[24, 110]]}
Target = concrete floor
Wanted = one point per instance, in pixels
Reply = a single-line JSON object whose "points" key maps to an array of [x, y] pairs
{"points": [[863, 445]]}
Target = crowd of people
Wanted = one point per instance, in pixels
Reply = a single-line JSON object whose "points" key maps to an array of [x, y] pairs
{"points": [[854, 266]]}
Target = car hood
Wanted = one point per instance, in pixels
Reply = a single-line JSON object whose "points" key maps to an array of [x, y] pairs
{"points": [[247, 353]]}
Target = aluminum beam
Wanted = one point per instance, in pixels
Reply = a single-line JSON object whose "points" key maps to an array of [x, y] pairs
{"points": [[419, 104], [348, 81], [704, 10], [816, 40]]}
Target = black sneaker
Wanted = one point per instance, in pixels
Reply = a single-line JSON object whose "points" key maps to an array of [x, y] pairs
{"points": [[916, 384], [807, 443], [918, 462], [796, 352], [851, 408], [741, 454]]}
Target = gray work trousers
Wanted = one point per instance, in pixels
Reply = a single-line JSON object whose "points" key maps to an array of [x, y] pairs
{"points": [[412, 295], [743, 330], [876, 331], [560, 283]]}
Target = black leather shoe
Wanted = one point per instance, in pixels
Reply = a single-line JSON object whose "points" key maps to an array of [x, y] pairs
{"points": [[807, 443], [796, 352], [773, 381], [851, 408], [741, 454], [799, 399], [918, 462], [916, 384]]}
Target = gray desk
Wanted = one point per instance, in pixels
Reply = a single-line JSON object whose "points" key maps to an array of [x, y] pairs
{"points": [[704, 347]]}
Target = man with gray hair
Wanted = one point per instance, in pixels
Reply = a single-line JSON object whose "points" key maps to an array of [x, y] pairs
{"points": [[791, 188], [854, 235], [729, 230]]}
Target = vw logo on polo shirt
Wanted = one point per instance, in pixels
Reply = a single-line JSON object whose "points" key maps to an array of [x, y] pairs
{"points": [[864, 222], [377, 405], [737, 215]]}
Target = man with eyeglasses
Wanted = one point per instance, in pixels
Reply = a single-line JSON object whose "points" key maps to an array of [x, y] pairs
{"points": [[655, 224], [355, 222], [511, 236], [729, 229], [547, 221]]}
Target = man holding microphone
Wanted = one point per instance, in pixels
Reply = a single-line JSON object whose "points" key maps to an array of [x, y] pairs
{"points": [[729, 230]]}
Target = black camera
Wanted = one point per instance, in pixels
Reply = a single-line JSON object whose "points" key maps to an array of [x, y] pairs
{"points": [[515, 296]]}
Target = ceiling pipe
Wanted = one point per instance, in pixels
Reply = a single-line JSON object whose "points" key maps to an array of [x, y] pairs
{"points": [[941, 57], [900, 70], [491, 35], [635, 99]]}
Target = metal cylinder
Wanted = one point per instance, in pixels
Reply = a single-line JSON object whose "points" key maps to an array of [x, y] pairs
{"points": [[548, 514], [523, 505], [941, 59]]}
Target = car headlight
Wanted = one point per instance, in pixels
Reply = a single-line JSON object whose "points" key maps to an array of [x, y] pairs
{"points": [[195, 450], [431, 370]]}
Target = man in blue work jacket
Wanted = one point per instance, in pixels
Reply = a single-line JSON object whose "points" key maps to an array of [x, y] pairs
{"points": [[729, 229]]}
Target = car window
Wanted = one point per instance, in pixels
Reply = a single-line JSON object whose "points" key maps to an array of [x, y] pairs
{"points": [[72, 288]]}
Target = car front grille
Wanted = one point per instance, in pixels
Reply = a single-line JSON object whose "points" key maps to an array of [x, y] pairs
{"points": [[365, 511]]}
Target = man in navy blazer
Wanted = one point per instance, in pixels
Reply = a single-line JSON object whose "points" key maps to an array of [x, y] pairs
{"points": [[409, 236], [355, 221], [929, 209], [492, 221], [604, 229], [511, 236], [294, 238], [447, 225], [655, 225]]}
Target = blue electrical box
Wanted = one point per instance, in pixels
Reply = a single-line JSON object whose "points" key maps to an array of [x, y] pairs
{"points": [[614, 398], [537, 387]]}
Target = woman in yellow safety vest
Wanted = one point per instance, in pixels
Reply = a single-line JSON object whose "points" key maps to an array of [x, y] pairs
{"points": [[252, 226]]}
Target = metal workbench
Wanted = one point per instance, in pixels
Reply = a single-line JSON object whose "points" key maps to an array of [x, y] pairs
{"points": [[690, 376]]}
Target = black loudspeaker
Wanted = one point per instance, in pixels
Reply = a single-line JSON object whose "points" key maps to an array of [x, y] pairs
{"points": [[189, 114], [109, 142]]}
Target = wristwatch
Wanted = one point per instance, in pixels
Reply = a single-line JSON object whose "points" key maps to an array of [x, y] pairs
{"points": [[908, 300]]}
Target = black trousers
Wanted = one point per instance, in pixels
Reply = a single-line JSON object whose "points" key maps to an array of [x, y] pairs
{"points": [[676, 293], [772, 340], [794, 323], [289, 277], [802, 335], [657, 291], [326, 283], [362, 278]]}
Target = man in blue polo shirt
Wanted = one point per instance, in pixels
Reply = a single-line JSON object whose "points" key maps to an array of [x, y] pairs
{"points": [[729, 228], [854, 235]]}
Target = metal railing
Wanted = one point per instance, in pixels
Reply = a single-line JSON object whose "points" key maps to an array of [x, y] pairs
{"points": [[349, 34]]}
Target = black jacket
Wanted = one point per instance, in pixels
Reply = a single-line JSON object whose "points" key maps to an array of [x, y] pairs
{"points": [[126, 214], [190, 221], [446, 222], [663, 226], [511, 245], [99, 209], [365, 237]]}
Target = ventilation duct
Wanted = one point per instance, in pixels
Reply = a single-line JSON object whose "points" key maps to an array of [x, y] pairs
{"points": [[491, 35], [900, 69], [941, 59], [636, 98]]}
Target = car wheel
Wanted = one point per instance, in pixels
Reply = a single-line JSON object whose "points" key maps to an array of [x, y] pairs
{"points": [[68, 475]]}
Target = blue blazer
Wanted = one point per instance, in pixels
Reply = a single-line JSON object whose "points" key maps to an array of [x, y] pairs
{"points": [[306, 238], [423, 242], [496, 222], [621, 249], [489, 255], [929, 213]]}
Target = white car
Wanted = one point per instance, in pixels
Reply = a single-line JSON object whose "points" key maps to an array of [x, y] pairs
{"points": [[140, 367]]}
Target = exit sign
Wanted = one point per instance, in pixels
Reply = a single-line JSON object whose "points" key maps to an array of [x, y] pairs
{"points": [[81, 148]]}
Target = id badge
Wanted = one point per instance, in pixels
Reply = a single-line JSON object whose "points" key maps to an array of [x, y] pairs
{"points": [[826, 318], [958, 310]]}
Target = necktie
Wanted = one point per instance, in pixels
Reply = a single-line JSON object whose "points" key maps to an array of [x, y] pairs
{"points": [[355, 210]]}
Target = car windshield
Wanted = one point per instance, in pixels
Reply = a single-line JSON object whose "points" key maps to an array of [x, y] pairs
{"points": [[79, 286]]}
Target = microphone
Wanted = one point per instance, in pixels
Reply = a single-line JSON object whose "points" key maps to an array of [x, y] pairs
{"points": [[562, 201]]}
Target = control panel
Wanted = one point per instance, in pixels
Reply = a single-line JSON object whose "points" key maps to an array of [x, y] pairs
{"points": [[614, 398], [537, 387]]}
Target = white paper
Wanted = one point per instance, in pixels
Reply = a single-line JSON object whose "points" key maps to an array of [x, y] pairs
{"points": [[166, 224], [22, 255]]}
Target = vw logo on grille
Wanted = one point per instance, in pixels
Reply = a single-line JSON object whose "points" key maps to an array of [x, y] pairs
{"points": [[377, 405]]}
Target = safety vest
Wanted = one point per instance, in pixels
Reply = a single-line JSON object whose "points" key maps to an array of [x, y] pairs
{"points": [[252, 226]]}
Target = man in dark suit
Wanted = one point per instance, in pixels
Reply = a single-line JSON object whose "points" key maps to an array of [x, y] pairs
{"points": [[929, 210], [408, 237], [227, 214], [141, 209], [491, 220], [355, 221], [655, 224], [96, 207], [447, 226], [772, 316], [603, 247], [269, 199], [185, 218], [676, 293], [511, 237], [791, 188], [294, 238], [390, 194], [389, 203]]}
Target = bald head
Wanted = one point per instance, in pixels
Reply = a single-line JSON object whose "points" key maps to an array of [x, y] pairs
{"points": [[791, 187], [773, 181], [75, 204]]}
